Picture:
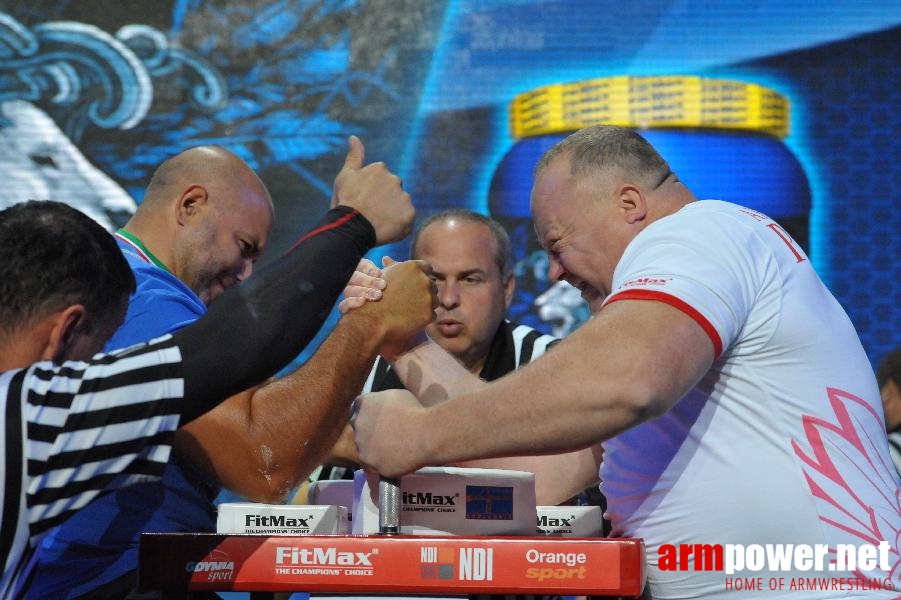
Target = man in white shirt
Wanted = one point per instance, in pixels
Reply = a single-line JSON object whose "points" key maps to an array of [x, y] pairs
{"points": [[734, 400]]}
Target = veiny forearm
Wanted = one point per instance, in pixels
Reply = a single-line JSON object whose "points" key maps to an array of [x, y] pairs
{"points": [[630, 363], [273, 315], [260, 444], [434, 375]]}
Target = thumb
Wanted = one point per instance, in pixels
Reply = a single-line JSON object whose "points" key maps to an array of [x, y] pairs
{"points": [[387, 261], [356, 152]]}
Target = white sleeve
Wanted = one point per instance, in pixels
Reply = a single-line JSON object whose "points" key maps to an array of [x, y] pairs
{"points": [[708, 264]]}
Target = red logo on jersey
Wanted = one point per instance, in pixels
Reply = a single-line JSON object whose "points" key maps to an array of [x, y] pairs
{"points": [[645, 281]]}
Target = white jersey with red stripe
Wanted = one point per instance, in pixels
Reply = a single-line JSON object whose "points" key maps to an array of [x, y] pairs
{"points": [[782, 442]]}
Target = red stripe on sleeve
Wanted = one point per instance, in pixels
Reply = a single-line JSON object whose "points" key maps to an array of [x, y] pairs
{"points": [[681, 305], [344, 219]]}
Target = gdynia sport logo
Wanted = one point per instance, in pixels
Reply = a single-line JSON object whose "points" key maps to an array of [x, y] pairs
{"points": [[847, 567]]}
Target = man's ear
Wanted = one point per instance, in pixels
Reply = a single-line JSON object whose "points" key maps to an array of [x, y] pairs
{"points": [[193, 199], [632, 203], [509, 288], [64, 327]]}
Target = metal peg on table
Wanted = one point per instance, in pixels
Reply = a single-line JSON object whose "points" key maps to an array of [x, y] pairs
{"points": [[389, 506]]}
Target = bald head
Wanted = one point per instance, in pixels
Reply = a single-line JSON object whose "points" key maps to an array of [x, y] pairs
{"points": [[503, 254], [205, 217], [208, 166]]}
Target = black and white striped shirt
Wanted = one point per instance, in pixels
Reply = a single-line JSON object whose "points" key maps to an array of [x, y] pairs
{"points": [[74, 430], [512, 347]]}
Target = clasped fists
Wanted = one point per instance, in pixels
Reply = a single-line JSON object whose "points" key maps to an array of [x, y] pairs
{"points": [[375, 192], [367, 284], [407, 304], [385, 426]]}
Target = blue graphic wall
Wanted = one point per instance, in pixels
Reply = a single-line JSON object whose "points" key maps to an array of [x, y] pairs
{"points": [[94, 95]]}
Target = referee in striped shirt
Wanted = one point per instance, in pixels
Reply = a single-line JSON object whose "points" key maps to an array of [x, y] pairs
{"points": [[472, 262], [76, 424]]}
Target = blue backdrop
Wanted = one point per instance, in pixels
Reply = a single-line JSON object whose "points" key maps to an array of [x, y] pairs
{"points": [[106, 90]]}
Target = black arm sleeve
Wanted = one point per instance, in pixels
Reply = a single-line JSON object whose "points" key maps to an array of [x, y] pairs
{"points": [[259, 326]]}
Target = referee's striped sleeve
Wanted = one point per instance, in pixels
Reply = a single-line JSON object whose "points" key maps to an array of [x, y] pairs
{"points": [[530, 343], [75, 430], [116, 429]]}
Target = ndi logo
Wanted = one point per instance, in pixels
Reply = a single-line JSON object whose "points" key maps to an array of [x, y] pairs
{"points": [[476, 564], [436, 562]]}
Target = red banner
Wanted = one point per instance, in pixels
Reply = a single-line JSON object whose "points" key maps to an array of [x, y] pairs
{"points": [[396, 565]]}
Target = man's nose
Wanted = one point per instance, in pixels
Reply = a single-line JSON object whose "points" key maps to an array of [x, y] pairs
{"points": [[555, 270], [246, 269], [448, 294]]}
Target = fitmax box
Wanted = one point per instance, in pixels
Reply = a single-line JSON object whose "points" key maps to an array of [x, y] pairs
{"points": [[453, 501], [339, 492], [281, 519], [571, 521]]}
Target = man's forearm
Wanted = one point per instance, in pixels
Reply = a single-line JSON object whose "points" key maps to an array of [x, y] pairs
{"points": [[259, 326], [433, 375], [594, 385], [299, 417], [437, 376], [279, 432]]}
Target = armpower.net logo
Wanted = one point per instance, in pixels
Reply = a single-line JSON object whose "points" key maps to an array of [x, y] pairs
{"points": [[847, 567]]}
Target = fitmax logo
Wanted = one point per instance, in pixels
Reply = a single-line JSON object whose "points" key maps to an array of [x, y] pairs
{"points": [[275, 521], [546, 521], [429, 499], [329, 557]]}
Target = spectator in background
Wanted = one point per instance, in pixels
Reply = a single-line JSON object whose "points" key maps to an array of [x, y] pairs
{"points": [[888, 376]]}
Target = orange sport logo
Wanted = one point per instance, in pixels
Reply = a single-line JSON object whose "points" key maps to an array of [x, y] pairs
{"points": [[556, 565]]}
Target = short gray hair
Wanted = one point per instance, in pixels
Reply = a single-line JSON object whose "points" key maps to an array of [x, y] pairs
{"points": [[504, 255], [600, 147]]}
